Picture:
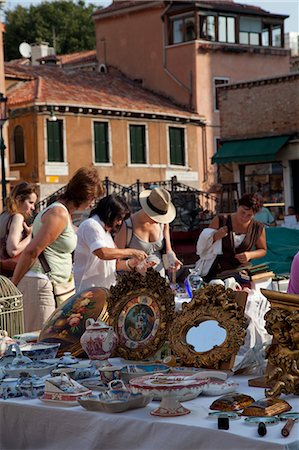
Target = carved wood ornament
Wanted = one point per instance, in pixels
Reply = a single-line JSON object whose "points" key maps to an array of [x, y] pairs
{"points": [[141, 309], [209, 303], [282, 322]]}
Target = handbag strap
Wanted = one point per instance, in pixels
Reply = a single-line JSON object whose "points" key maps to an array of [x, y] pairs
{"points": [[44, 263]]}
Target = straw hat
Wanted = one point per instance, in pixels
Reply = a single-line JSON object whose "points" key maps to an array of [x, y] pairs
{"points": [[156, 203]]}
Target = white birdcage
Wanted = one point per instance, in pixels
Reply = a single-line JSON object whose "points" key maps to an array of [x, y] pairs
{"points": [[11, 307]]}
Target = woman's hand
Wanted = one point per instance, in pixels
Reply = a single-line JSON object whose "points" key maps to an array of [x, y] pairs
{"points": [[174, 263], [221, 233], [244, 258], [140, 255], [27, 228]]}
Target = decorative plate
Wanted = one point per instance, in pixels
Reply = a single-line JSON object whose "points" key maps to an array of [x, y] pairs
{"points": [[131, 371], [140, 310], [59, 402], [67, 323]]}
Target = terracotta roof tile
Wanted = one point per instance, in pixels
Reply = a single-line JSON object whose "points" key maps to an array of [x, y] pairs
{"points": [[74, 58], [55, 85], [120, 5]]}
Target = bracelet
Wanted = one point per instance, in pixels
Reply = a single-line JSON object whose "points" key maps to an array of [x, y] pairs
{"points": [[128, 265]]}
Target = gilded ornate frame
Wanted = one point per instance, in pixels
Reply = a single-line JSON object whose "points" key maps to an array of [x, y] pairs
{"points": [[151, 292], [209, 303]]}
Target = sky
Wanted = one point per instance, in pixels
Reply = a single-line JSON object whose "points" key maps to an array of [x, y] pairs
{"points": [[288, 7]]}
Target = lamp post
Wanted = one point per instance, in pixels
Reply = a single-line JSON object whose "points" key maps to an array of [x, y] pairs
{"points": [[3, 119]]}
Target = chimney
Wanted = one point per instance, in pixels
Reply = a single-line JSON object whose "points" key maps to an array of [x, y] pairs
{"points": [[39, 51]]}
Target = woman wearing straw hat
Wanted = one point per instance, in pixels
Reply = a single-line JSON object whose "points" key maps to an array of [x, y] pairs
{"points": [[148, 229]]}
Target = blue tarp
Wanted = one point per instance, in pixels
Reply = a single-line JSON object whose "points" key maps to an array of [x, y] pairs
{"points": [[282, 245]]}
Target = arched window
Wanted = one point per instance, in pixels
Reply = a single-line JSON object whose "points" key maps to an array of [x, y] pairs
{"points": [[19, 154]]}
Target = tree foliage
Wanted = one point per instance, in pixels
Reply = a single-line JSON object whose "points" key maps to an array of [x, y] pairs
{"points": [[66, 24]]}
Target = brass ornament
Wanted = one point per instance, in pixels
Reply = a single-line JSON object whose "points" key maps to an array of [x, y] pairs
{"points": [[209, 303], [141, 309]]}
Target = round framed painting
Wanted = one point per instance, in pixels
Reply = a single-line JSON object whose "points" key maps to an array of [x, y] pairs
{"points": [[140, 308]]}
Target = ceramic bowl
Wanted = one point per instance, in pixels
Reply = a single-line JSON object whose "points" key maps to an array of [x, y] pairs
{"points": [[9, 388], [110, 373], [40, 369], [93, 403], [78, 371], [40, 350], [137, 370]]}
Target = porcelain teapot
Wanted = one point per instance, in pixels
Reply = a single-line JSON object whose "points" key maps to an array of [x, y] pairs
{"points": [[99, 340]]}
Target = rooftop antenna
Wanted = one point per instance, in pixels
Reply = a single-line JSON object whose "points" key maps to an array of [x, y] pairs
{"points": [[25, 50]]}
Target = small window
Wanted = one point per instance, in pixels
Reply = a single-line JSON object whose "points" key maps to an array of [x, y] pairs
{"points": [[178, 31], [177, 146], [217, 83], [55, 141], [101, 142], [276, 35], [183, 30], [137, 144], [266, 35], [208, 28], [226, 29], [250, 30], [18, 141]]}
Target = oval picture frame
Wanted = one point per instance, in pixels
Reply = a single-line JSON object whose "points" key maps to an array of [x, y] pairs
{"points": [[209, 303], [141, 310]]}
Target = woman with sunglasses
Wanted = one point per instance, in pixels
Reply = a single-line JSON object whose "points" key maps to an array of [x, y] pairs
{"points": [[15, 234]]}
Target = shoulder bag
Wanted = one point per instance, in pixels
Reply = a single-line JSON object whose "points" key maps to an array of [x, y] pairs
{"points": [[62, 291]]}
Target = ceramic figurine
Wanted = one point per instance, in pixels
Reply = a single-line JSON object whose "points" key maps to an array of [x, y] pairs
{"points": [[98, 341]]}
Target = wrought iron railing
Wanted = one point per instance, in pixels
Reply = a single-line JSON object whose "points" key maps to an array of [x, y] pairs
{"points": [[193, 206]]}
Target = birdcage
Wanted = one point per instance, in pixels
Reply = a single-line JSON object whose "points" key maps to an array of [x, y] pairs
{"points": [[11, 307]]}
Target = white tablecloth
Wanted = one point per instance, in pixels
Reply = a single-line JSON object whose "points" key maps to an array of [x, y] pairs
{"points": [[32, 424]]}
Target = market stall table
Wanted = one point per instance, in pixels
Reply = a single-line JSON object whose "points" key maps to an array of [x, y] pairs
{"points": [[32, 424]]}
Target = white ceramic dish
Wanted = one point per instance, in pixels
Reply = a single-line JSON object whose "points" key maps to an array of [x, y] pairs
{"points": [[59, 402], [94, 404], [35, 368], [40, 350], [219, 387]]}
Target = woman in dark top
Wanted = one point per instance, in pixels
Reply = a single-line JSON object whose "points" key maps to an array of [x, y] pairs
{"points": [[243, 238]]}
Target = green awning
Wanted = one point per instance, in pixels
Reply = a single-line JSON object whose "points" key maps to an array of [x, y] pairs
{"points": [[250, 150]]}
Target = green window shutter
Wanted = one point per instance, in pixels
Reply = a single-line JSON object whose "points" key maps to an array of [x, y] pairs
{"points": [[55, 141], [137, 144], [177, 146], [101, 143]]}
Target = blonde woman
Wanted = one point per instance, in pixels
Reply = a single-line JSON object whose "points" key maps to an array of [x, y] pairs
{"points": [[15, 234]]}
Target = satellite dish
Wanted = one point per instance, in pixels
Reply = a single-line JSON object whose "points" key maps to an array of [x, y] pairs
{"points": [[25, 50]]}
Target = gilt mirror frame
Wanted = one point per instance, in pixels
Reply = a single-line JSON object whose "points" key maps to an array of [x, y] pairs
{"points": [[210, 303], [148, 295]]}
